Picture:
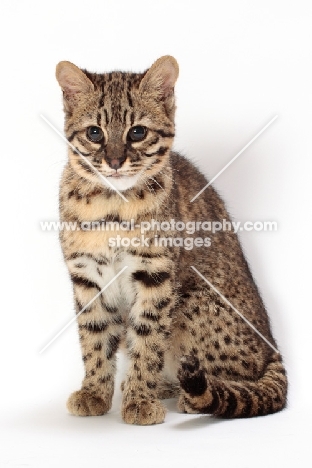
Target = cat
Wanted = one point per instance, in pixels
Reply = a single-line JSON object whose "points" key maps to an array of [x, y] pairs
{"points": [[182, 334]]}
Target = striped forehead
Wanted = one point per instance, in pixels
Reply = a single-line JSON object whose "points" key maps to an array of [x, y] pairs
{"points": [[115, 91]]}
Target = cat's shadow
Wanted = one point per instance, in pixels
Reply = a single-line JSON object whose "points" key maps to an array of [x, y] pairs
{"points": [[53, 416], [194, 421]]}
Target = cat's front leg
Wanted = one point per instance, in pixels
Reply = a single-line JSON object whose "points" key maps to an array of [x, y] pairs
{"points": [[148, 333], [100, 328]]}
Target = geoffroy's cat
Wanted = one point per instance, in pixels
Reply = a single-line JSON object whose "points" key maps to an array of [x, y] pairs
{"points": [[147, 292]]}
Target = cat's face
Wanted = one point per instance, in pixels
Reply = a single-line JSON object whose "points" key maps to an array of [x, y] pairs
{"points": [[122, 124]]}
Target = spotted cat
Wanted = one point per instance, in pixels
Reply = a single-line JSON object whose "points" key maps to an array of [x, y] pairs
{"points": [[147, 292]]}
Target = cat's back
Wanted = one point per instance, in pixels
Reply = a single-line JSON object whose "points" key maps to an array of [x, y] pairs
{"points": [[188, 182]]}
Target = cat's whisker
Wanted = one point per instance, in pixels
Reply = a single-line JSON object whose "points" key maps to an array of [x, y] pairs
{"points": [[154, 180], [148, 187], [165, 174]]}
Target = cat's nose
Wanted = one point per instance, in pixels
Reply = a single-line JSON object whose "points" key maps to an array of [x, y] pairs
{"points": [[116, 163]]}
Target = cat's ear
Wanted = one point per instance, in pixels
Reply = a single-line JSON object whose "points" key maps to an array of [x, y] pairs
{"points": [[159, 80], [73, 82]]}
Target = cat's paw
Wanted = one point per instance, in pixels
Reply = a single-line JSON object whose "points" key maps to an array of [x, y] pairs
{"points": [[143, 412], [192, 378], [82, 403]]}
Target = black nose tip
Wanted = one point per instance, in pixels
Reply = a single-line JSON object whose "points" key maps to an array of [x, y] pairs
{"points": [[116, 163]]}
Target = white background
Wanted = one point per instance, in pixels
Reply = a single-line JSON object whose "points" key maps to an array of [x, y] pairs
{"points": [[241, 63]]}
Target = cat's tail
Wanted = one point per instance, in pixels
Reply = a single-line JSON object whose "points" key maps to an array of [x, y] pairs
{"points": [[229, 398]]}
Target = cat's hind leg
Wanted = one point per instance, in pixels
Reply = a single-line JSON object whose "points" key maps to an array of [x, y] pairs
{"points": [[232, 399]]}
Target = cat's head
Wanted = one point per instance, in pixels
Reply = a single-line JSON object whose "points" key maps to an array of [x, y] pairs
{"points": [[122, 124]]}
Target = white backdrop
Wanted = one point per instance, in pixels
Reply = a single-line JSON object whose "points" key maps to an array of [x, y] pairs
{"points": [[241, 63]]}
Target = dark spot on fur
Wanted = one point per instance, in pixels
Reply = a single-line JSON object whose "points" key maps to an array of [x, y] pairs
{"points": [[84, 282], [98, 346], [162, 303], [113, 343], [151, 385], [99, 363], [216, 371], [103, 380], [94, 327], [245, 364], [210, 357], [234, 358], [150, 316], [86, 357], [141, 329], [150, 279], [227, 339]]}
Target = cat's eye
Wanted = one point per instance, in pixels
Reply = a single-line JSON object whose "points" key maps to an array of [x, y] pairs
{"points": [[95, 134], [137, 133]]}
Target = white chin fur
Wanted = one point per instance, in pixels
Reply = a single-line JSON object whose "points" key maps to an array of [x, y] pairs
{"points": [[123, 183]]}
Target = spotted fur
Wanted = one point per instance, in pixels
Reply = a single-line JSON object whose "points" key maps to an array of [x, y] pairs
{"points": [[181, 337]]}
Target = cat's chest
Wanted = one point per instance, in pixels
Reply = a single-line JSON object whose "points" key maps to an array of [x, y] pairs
{"points": [[112, 275]]}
